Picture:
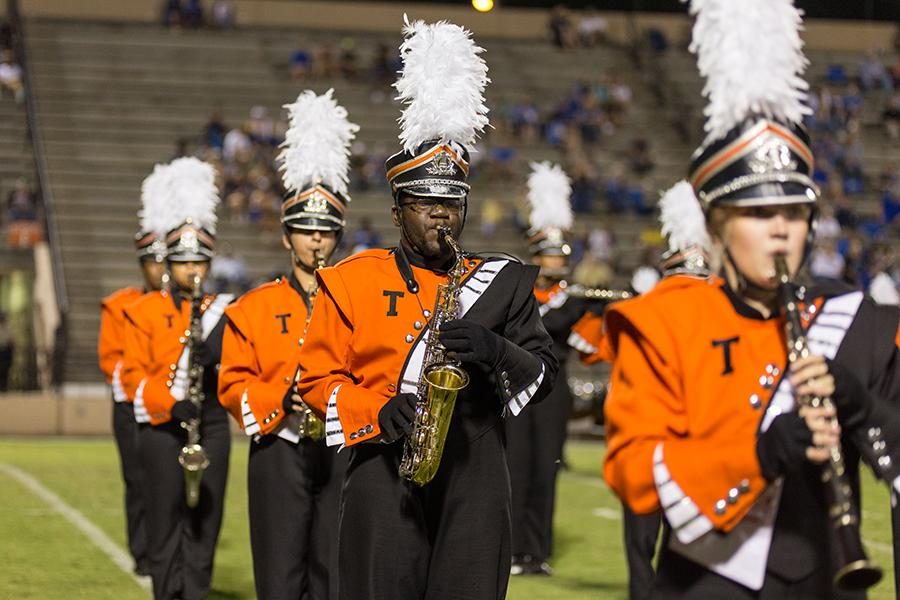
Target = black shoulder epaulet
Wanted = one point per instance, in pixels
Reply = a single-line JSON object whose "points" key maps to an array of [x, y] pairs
{"points": [[494, 255]]}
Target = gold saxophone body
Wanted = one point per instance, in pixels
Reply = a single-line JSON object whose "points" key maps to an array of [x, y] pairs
{"points": [[854, 569], [441, 380], [193, 458], [310, 426]]}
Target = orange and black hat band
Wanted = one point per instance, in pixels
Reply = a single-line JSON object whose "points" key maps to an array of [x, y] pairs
{"points": [[304, 196], [745, 144], [420, 160]]}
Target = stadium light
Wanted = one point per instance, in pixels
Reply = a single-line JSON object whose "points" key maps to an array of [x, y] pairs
{"points": [[483, 5]]}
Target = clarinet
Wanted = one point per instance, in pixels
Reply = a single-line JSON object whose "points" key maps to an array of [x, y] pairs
{"points": [[854, 569], [193, 458], [310, 426]]}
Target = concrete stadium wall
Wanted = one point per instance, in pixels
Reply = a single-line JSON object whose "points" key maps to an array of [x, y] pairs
{"points": [[513, 23]]}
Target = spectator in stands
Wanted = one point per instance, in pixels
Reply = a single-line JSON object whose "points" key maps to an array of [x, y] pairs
{"points": [[891, 117], [324, 63], [6, 36], [172, 14], [890, 203], [873, 74], [224, 14], [237, 141], [491, 216], [228, 272], [23, 229], [639, 158], [347, 61], [826, 261], [525, 120], [592, 27], [214, 132], [300, 64], [585, 186], [11, 76], [192, 14], [561, 31]]}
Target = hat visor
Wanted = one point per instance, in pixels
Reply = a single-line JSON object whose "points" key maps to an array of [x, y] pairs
{"points": [[188, 257], [770, 193], [435, 190], [302, 223]]}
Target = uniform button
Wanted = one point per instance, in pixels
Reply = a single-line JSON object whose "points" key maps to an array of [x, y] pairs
{"points": [[504, 374], [409, 338], [173, 366], [874, 432], [300, 341], [744, 487], [275, 413], [812, 309], [767, 381], [884, 461], [418, 325], [353, 435], [169, 384], [369, 428], [755, 402], [181, 340], [391, 387], [187, 332], [506, 383], [287, 379], [720, 507], [733, 494], [427, 313], [472, 263], [772, 369]]}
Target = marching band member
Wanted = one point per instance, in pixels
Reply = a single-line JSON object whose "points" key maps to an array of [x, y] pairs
{"points": [[371, 331], [151, 253], [293, 478], [535, 438], [162, 371], [702, 416]]}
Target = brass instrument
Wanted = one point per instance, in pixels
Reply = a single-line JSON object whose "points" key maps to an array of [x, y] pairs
{"points": [[310, 426], [193, 458], [581, 292], [439, 384], [854, 570]]}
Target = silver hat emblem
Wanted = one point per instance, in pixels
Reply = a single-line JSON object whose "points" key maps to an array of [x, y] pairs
{"points": [[316, 204], [189, 242], [442, 164], [772, 156]]}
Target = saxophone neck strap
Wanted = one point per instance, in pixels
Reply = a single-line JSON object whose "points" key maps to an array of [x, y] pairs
{"points": [[405, 270]]}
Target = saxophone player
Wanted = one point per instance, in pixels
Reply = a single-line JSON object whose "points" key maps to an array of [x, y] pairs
{"points": [[293, 478], [361, 364], [159, 347], [702, 417], [151, 254]]}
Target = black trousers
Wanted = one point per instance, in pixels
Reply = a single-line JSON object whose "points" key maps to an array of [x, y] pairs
{"points": [[182, 540], [125, 433], [640, 533], [679, 578], [534, 445], [294, 501], [447, 540]]}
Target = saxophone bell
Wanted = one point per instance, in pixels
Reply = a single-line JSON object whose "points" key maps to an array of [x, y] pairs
{"points": [[193, 461]]}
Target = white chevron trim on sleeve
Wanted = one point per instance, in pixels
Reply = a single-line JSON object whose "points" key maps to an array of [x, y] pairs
{"points": [[251, 427], [118, 391], [519, 401], [140, 411], [580, 344], [334, 433], [682, 513]]}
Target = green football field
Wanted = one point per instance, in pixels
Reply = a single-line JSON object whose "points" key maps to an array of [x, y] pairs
{"points": [[47, 557]]}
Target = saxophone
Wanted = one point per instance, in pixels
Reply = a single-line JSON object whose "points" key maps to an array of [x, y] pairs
{"points": [[193, 458], [310, 426], [854, 570], [439, 384]]}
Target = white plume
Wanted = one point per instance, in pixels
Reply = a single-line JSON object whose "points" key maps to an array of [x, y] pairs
{"points": [[549, 189], [682, 218], [155, 201], [191, 193], [316, 147], [644, 279], [883, 290], [751, 54], [442, 85]]}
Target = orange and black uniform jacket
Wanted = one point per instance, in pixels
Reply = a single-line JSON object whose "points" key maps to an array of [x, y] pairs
{"points": [[260, 353], [588, 337], [368, 329], [111, 342], [154, 341]]}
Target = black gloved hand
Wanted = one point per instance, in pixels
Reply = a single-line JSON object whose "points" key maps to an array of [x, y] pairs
{"points": [[472, 342], [287, 402], [397, 416], [851, 398], [183, 411], [782, 447]]}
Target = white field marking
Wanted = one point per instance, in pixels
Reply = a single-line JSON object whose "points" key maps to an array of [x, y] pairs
{"points": [[79, 521], [608, 513]]}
